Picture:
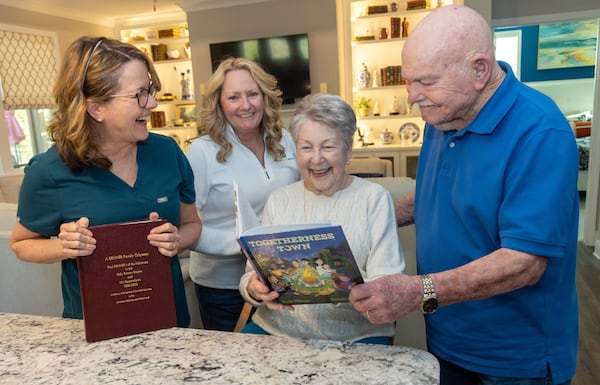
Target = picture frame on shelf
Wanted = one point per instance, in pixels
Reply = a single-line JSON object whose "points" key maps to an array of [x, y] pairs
{"points": [[185, 113], [152, 35]]}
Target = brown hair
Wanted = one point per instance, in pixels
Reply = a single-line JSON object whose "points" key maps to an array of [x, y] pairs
{"points": [[91, 69], [213, 122]]}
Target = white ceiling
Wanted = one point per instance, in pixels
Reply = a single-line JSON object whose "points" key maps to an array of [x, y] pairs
{"points": [[108, 12], [103, 12]]}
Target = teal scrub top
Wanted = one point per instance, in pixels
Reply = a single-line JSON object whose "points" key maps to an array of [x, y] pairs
{"points": [[52, 194]]}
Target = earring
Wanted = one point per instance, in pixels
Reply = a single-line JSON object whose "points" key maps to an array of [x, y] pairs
{"points": [[99, 120]]}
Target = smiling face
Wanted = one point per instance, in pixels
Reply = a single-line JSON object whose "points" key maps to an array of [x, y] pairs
{"points": [[122, 119], [322, 157], [447, 61], [445, 94], [242, 101]]}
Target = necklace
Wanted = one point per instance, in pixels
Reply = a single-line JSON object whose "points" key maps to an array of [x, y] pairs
{"points": [[127, 174]]}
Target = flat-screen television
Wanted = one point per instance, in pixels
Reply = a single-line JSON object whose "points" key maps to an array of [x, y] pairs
{"points": [[285, 57]]}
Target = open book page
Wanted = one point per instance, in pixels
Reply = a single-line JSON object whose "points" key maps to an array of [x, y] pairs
{"points": [[245, 217], [305, 264]]}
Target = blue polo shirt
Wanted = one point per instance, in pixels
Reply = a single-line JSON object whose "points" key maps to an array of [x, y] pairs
{"points": [[51, 194], [507, 180]]}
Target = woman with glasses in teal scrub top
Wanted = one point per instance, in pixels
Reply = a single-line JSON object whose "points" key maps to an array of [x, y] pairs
{"points": [[104, 167]]}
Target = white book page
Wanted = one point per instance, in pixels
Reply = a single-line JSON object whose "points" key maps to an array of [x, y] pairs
{"points": [[245, 217]]}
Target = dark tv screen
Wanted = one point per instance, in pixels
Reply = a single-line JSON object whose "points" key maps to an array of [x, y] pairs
{"points": [[285, 57]]}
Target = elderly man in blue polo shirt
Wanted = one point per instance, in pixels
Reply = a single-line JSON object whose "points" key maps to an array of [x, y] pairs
{"points": [[496, 214]]}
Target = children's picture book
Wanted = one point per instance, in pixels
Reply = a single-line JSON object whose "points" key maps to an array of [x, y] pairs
{"points": [[305, 264]]}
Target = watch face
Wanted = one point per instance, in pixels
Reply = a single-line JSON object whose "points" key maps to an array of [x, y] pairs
{"points": [[429, 305]]}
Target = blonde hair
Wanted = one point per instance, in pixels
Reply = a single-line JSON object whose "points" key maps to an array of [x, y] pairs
{"points": [[91, 70], [214, 123]]}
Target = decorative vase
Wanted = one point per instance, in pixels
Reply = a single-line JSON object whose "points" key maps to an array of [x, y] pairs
{"points": [[386, 137], [383, 33], [364, 77]]}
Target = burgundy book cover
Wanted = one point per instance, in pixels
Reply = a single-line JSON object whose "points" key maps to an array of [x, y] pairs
{"points": [[126, 284]]}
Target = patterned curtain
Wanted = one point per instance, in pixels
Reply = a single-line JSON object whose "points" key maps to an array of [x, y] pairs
{"points": [[28, 69]]}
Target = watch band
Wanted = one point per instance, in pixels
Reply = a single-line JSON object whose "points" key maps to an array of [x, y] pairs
{"points": [[430, 302]]}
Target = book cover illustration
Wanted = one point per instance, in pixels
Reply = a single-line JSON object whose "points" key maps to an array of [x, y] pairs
{"points": [[126, 284], [306, 265]]}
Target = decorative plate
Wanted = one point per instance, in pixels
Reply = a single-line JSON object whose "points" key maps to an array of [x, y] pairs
{"points": [[409, 133]]}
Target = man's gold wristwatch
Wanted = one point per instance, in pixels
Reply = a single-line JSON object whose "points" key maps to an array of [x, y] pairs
{"points": [[430, 302]]}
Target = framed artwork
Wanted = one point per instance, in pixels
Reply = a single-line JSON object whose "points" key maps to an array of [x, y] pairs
{"points": [[185, 113], [567, 44]]}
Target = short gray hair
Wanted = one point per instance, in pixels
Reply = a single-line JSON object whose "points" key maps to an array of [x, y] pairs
{"points": [[330, 110]]}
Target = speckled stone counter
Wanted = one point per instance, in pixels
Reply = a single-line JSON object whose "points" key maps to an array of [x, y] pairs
{"points": [[46, 350]]}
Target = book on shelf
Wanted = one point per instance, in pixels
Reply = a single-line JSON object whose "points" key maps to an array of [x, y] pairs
{"points": [[395, 27], [417, 4], [126, 284], [306, 263]]}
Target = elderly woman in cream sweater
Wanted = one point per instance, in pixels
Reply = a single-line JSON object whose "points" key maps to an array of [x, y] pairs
{"points": [[323, 128]]}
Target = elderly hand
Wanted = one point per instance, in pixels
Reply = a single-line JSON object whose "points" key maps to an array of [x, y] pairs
{"points": [[388, 298], [76, 239], [260, 292], [165, 237]]}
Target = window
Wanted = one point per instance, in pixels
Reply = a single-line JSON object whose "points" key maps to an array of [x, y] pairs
{"points": [[508, 48], [32, 138], [28, 71]]}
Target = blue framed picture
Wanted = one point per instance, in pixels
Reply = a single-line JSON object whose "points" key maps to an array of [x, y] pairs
{"points": [[567, 44]]}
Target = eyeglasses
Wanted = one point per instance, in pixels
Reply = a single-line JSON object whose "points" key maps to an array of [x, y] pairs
{"points": [[143, 96]]}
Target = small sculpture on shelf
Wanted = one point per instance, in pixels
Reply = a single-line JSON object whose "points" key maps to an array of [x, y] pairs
{"points": [[188, 50], [376, 78], [376, 108], [185, 86], [363, 137], [395, 106], [405, 24]]}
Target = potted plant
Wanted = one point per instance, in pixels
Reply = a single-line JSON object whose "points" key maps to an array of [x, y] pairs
{"points": [[363, 106]]}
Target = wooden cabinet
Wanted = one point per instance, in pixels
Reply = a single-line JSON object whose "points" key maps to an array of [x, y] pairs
{"points": [[169, 48], [404, 158]]}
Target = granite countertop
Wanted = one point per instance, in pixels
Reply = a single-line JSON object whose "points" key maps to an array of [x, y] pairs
{"points": [[47, 350]]}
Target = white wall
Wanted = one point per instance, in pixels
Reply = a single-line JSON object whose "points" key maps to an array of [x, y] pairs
{"points": [[572, 96]]}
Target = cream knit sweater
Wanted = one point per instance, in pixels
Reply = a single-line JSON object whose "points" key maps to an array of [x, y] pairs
{"points": [[366, 213]]}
